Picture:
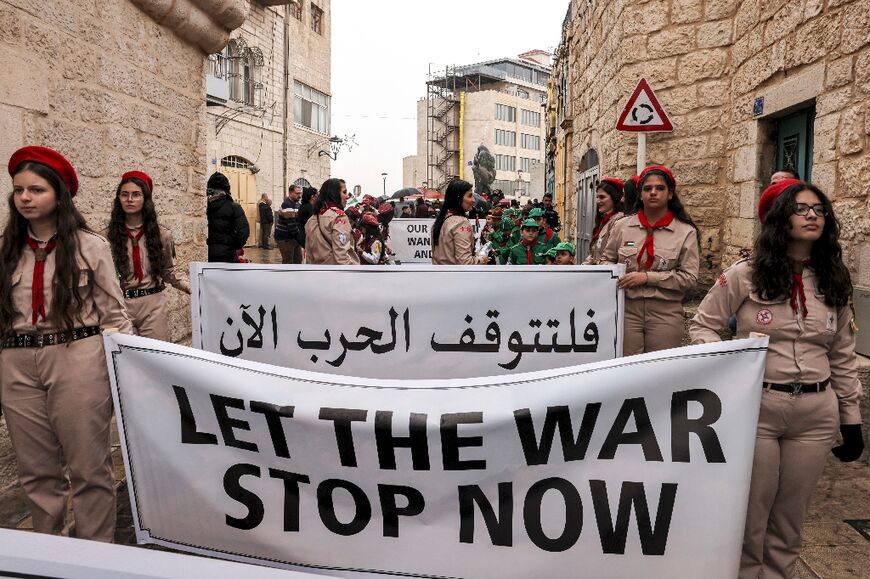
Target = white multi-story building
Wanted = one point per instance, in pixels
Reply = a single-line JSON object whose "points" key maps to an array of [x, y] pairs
{"points": [[269, 107], [500, 104]]}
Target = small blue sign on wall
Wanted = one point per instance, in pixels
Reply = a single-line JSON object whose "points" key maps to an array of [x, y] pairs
{"points": [[758, 107]]}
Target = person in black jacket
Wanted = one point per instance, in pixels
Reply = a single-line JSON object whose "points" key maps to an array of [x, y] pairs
{"points": [[305, 211], [287, 230], [228, 228], [267, 218]]}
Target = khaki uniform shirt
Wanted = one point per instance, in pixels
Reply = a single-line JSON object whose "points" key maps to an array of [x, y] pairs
{"points": [[676, 264], [102, 300], [329, 240], [596, 250], [801, 350], [170, 274], [456, 243]]}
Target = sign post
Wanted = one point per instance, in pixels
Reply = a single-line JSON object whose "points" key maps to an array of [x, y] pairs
{"points": [[643, 114]]}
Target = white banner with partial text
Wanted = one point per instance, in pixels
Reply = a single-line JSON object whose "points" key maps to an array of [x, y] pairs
{"points": [[411, 239]]}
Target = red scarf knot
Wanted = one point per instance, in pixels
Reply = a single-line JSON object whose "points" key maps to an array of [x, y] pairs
{"points": [[37, 302], [648, 246], [528, 245], [797, 288], [597, 231], [137, 256]]}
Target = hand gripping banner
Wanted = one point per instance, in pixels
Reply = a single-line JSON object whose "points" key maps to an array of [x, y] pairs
{"points": [[634, 467]]}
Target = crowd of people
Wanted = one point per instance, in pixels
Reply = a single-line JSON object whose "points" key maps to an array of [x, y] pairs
{"points": [[62, 284]]}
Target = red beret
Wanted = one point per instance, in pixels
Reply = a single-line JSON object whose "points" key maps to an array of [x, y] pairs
{"points": [[51, 159], [385, 208], [636, 180], [771, 194], [141, 176], [661, 169], [615, 182]]}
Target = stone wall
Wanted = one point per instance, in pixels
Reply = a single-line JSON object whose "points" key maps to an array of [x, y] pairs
{"points": [[111, 89], [708, 60]]}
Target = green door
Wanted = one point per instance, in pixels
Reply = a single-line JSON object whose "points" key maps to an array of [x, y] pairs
{"points": [[794, 146]]}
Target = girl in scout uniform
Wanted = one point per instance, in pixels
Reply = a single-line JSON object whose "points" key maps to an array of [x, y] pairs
{"points": [[328, 236], [59, 291], [144, 256], [797, 290], [371, 246], [452, 235], [608, 198], [659, 247]]}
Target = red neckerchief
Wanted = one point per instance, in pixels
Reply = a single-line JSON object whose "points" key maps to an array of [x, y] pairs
{"points": [[597, 231], [528, 245], [452, 212], [648, 246], [797, 288], [329, 206], [137, 256], [37, 302]]}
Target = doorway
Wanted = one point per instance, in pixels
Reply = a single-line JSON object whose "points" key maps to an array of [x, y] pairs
{"points": [[243, 187], [794, 142], [586, 209]]}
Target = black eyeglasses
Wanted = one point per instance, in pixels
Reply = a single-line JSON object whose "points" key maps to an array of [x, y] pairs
{"points": [[804, 209]]}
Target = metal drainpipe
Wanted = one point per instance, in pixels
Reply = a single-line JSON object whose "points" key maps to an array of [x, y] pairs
{"points": [[286, 94]]}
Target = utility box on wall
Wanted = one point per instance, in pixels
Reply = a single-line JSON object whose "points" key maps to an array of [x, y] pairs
{"points": [[861, 297]]}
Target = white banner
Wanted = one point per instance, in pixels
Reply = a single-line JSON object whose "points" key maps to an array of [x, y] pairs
{"points": [[411, 239], [635, 467], [409, 322]]}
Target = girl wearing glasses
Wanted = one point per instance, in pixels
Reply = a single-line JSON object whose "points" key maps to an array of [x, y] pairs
{"points": [[59, 292], [144, 256], [796, 289]]}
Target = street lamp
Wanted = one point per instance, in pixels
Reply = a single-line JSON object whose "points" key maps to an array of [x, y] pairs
{"points": [[384, 175], [334, 147]]}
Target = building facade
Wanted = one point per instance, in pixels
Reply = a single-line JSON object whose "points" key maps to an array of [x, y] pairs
{"points": [[499, 104], [269, 103], [750, 86]]}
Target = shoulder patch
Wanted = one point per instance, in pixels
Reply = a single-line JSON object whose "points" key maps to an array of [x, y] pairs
{"points": [[337, 210], [723, 281]]}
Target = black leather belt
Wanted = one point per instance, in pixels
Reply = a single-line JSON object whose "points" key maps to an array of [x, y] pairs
{"points": [[39, 340], [141, 293], [795, 388]]}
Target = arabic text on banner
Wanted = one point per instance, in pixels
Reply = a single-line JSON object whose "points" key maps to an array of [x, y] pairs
{"points": [[635, 467], [409, 322]]}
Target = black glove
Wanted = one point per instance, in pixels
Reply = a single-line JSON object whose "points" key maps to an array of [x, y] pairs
{"points": [[853, 443]]}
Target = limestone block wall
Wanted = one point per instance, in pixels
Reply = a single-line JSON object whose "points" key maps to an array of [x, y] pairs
{"points": [[708, 60], [113, 90]]}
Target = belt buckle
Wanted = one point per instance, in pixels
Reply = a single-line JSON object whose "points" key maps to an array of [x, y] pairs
{"points": [[39, 340], [796, 389]]}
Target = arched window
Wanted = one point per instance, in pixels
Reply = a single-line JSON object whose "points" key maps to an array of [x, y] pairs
{"points": [[302, 182], [235, 162], [243, 72]]}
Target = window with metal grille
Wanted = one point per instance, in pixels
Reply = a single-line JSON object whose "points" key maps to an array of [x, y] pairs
{"points": [[243, 69], [235, 162], [316, 19], [296, 9], [311, 108]]}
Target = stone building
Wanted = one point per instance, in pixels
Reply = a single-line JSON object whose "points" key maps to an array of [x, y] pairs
{"points": [[268, 96], [499, 104], [117, 86], [750, 85]]}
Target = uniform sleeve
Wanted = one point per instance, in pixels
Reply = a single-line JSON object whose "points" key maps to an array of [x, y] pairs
{"points": [[375, 256], [343, 243], [724, 299], [611, 248], [463, 245], [170, 273], [107, 296], [844, 369], [685, 275]]}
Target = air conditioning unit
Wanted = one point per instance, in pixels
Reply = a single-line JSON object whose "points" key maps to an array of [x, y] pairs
{"points": [[861, 297]]}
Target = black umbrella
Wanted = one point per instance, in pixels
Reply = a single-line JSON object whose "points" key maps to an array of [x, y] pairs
{"points": [[406, 192]]}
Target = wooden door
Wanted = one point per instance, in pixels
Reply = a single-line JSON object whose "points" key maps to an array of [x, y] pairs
{"points": [[243, 187]]}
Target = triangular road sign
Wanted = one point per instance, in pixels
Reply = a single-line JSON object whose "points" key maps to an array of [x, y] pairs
{"points": [[644, 113]]}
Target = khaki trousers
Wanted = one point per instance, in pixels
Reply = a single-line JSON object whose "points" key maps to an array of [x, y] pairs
{"points": [[291, 251], [651, 325], [794, 437], [150, 316], [58, 409]]}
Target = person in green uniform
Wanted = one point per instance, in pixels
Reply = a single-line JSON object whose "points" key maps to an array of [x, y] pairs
{"points": [[546, 235], [550, 256], [529, 251], [564, 253]]}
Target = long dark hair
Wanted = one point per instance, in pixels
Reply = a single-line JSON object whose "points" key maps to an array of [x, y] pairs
{"points": [[615, 195], [771, 266], [66, 302], [675, 206], [631, 196], [118, 237], [330, 192], [456, 190]]}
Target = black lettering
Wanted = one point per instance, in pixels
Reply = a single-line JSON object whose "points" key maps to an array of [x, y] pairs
{"points": [[227, 424], [537, 453], [189, 433], [234, 490], [274, 414], [342, 417], [451, 442], [652, 540], [391, 512], [387, 444], [326, 507], [291, 496], [645, 435], [573, 515], [682, 425], [500, 528]]}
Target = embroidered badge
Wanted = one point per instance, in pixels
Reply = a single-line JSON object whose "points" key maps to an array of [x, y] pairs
{"points": [[723, 281], [764, 317], [663, 263], [342, 238], [831, 322], [628, 244]]}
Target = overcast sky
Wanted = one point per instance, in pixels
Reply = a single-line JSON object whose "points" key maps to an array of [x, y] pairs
{"points": [[381, 51]]}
